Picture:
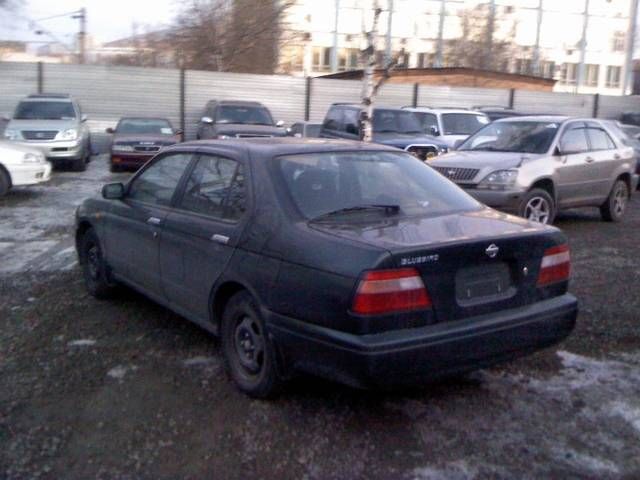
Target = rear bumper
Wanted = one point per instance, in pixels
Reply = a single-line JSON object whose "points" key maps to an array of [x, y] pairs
{"points": [[408, 357]]}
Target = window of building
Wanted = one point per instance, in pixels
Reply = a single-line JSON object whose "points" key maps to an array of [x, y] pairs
{"points": [[568, 75], [592, 73], [618, 41], [294, 58], [523, 66], [322, 59], [548, 69], [348, 59], [613, 77]]}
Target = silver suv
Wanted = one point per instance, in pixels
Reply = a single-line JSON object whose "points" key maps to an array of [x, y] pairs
{"points": [[534, 166], [451, 125], [55, 125]]}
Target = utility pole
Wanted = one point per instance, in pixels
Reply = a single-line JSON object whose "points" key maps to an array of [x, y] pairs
{"points": [[388, 53], [81, 15], [440, 44], [583, 46], [631, 43], [536, 50], [334, 51]]}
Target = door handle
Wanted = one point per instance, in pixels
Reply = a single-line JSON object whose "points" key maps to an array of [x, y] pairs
{"points": [[589, 159], [154, 221], [222, 239]]}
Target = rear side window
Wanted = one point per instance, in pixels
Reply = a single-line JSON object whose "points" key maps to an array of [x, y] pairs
{"points": [[333, 120], [600, 139], [574, 141], [157, 184], [216, 188], [351, 121], [429, 122]]}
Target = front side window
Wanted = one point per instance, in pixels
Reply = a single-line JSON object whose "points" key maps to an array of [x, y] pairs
{"points": [[36, 110], [157, 183], [429, 122], [243, 115], [342, 182], [216, 188], [462, 123], [520, 137], [144, 126], [395, 121], [574, 141], [333, 120]]}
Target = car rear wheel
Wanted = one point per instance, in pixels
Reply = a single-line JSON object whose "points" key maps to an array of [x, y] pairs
{"points": [[94, 268], [248, 351], [537, 206], [5, 183], [613, 209]]}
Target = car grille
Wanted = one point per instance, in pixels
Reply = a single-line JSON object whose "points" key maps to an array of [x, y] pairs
{"points": [[252, 135], [458, 174], [39, 134], [423, 152], [144, 148]]}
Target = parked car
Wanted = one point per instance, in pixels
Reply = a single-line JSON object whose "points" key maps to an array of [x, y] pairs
{"points": [[496, 112], [629, 135], [535, 166], [630, 118], [136, 139], [21, 166], [355, 262], [226, 119], [304, 130], [450, 125], [394, 127], [55, 125]]}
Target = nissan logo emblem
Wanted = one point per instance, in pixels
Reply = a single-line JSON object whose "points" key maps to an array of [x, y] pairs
{"points": [[492, 250]]}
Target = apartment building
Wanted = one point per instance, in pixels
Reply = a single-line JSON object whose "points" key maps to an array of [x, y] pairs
{"points": [[581, 43]]}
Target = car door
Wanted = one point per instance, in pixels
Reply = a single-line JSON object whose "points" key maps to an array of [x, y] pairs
{"points": [[605, 160], [574, 178], [200, 235], [134, 225]]}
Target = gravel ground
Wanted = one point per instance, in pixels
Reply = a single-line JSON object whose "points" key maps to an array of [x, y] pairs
{"points": [[125, 389]]}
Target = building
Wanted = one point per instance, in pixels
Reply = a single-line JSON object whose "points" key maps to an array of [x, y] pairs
{"points": [[540, 37]]}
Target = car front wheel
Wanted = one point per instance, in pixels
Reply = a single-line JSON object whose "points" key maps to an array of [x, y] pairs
{"points": [[537, 206], [613, 208], [248, 352], [5, 183], [94, 268]]}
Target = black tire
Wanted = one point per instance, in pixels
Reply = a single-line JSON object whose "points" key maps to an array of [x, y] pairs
{"points": [[612, 210], [538, 206], [249, 354], [94, 268], [79, 164], [114, 168], [5, 183]]}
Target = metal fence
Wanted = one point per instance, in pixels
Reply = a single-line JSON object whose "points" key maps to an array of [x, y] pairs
{"points": [[106, 93]]}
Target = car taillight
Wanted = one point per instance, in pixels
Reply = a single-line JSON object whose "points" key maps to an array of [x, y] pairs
{"points": [[556, 266], [388, 291]]}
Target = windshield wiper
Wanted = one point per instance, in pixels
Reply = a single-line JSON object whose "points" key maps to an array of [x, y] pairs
{"points": [[386, 131], [388, 210]]}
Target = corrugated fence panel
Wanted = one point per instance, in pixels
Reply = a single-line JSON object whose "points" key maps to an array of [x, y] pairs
{"points": [[460, 97], [553, 103], [283, 96], [395, 95], [16, 81], [325, 91], [612, 107], [107, 93]]}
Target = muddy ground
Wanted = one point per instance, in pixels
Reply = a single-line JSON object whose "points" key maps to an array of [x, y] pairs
{"points": [[125, 389]]}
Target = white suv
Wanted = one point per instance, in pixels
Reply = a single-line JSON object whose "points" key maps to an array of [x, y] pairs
{"points": [[452, 126]]}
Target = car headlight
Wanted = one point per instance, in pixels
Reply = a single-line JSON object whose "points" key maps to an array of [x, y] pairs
{"points": [[122, 148], [31, 158], [499, 180], [12, 134], [443, 150], [69, 134], [224, 137]]}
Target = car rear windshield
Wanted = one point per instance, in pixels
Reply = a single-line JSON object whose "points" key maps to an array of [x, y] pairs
{"points": [[320, 183], [45, 111], [243, 115], [395, 121], [515, 136], [144, 126], [462, 123]]}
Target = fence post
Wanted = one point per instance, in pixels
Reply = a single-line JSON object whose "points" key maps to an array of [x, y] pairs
{"points": [[596, 105], [512, 98], [40, 77], [416, 92], [307, 99], [182, 103]]}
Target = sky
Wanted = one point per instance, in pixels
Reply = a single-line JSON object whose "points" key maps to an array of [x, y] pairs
{"points": [[106, 19]]}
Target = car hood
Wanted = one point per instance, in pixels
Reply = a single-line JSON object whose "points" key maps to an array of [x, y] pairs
{"points": [[232, 129], [43, 124], [401, 233], [151, 138], [403, 140], [480, 160]]}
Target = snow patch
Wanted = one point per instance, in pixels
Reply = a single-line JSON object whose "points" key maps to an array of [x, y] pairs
{"points": [[628, 412], [199, 361], [587, 463], [120, 371], [458, 470], [83, 342]]}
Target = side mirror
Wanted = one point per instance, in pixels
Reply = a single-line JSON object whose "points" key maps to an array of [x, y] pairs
{"points": [[5, 117], [207, 120], [84, 118], [178, 132], [110, 131], [457, 143], [280, 123], [433, 130], [113, 191]]}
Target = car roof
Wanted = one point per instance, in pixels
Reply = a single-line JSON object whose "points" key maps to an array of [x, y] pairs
{"points": [[444, 110], [50, 95], [144, 118], [275, 146], [540, 118], [48, 98], [358, 106], [240, 103]]}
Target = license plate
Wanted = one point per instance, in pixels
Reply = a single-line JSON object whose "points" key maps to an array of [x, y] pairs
{"points": [[482, 283]]}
